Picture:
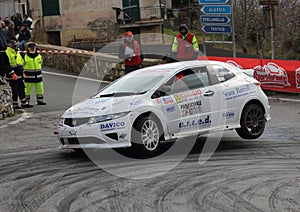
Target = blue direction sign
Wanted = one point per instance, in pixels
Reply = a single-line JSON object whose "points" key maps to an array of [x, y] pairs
{"points": [[223, 29], [205, 19], [216, 9], [213, 1]]}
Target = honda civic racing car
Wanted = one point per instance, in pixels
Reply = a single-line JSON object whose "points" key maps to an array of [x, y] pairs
{"points": [[167, 102]]}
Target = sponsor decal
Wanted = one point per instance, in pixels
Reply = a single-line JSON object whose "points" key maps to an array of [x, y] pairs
{"points": [[228, 114], [234, 64], [73, 132], [112, 126], [100, 100], [188, 95], [170, 109], [192, 108], [167, 100], [271, 73], [136, 102], [157, 100], [202, 122], [237, 92]]}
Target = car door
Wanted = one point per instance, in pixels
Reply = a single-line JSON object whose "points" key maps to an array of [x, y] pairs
{"points": [[229, 92], [192, 103]]}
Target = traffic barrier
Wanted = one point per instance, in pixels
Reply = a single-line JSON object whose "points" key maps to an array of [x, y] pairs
{"points": [[274, 75]]}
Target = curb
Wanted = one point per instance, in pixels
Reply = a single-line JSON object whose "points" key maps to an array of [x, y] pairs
{"points": [[284, 99]]}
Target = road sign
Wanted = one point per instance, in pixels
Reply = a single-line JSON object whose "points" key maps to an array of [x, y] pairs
{"points": [[268, 2], [216, 9], [217, 29], [213, 1], [205, 19]]}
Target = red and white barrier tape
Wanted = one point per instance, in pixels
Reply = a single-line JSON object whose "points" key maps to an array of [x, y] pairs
{"points": [[62, 51]]}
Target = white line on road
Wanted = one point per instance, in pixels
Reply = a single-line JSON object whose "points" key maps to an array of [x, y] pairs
{"points": [[23, 117]]}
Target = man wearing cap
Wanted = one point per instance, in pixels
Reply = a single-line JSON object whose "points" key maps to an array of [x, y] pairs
{"points": [[185, 46], [15, 75], [33, 74], [24, 36], [131, 52]]}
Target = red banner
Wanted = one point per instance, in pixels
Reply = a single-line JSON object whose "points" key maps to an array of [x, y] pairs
{"points": [[276, 75]]}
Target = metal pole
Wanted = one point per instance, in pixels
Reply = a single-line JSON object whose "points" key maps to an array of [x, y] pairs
{"points": [[204, 45], [233, 31], [272, 31]]}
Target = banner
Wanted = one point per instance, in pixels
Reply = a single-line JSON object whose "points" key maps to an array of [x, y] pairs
{"points": [[275, 75]]}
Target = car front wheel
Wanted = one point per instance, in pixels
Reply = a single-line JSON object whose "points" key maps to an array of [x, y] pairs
{"points": [[252, 122], [146, 135]]}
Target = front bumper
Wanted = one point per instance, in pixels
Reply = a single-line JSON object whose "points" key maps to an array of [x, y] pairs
{"points": [[113, 134]]}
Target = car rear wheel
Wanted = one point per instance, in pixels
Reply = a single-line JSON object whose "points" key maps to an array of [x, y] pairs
{"points": [[146, 135], [252, 122]]}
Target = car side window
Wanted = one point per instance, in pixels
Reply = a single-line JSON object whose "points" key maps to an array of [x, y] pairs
{"points": [[223, 74]]}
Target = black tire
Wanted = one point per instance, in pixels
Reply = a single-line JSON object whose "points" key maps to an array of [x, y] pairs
{"points": [[252, 122], [146, 136]]}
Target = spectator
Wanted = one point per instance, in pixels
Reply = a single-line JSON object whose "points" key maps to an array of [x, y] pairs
{"points": [[131, 52], [10, 33], [2, 26], [33, 74], [24, 36], [27, 21], [185, 46], [15, 75], [4, 62], [7, 22], [17, 23]]}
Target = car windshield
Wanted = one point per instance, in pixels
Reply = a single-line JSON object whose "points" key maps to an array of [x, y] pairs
{"points": [[130, 85]]}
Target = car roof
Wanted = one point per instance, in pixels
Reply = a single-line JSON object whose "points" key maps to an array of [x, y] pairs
{"points": [[171, 68]]}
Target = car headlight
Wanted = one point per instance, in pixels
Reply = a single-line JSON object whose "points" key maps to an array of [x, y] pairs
{"points": [[103, 118], [61, 121]]}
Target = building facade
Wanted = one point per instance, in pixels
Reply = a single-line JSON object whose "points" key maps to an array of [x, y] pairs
{"points": [[60, 22]]}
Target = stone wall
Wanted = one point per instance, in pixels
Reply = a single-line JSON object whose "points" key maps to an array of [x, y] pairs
{"points": [[6, 107], [89, 64]]}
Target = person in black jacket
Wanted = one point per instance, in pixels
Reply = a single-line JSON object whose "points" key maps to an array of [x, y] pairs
{"points": [[17, 23], [4, 62], [24, 36], [10, 33]]}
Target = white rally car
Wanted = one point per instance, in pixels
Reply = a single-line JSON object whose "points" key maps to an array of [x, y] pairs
{"points": [[166, 102]]}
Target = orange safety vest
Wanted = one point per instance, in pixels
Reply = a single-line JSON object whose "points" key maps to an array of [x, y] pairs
{"points": [[135, 60], [185, 46]]}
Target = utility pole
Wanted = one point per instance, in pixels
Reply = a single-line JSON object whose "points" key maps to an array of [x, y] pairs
{"points": [[270, 4], [272, 31]]}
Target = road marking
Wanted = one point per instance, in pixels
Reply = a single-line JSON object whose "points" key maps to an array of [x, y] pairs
{"points": [[23, 117]]}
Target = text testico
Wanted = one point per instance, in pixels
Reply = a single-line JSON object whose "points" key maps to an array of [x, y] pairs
{"points": [[196, 123]]}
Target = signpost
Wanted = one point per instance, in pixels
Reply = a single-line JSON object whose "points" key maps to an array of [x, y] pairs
{"points": [[205, 19], [216, 9], [217, 18], [225, 29]]}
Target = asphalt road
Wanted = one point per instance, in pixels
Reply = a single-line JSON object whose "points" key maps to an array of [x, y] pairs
{"points": [[259, 175]]}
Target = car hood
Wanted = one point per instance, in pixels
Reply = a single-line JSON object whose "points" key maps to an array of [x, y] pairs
{"points": [[103, 106]]}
